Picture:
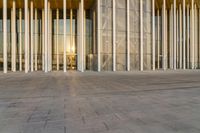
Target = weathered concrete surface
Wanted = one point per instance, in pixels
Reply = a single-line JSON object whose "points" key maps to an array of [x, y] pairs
{"points": [[107, 102]]}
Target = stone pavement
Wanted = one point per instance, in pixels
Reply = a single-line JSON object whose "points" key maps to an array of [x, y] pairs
{"points": [[106, 102]]}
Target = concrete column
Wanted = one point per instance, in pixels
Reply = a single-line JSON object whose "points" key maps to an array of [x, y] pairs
{"points": [[184, 34], [158, 65], [49, 52], [46, 35], [177, 40], [180, 37], [195, 37], [188, 37], [114, 36], [192, 53], [13, 22], [43, 40], [128, 35], [171, 37], [99, 34], [32, 37], [20, 39], [71, 31], [64, 39], [174, 34], [5, 63], [141, 35], [94, 32], [36, 39], [164, 35], [26, 36], [57, 39], [153, 36], [199, 40]]}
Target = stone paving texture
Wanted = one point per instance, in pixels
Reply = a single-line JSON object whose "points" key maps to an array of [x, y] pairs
{"points": [[106, 102]]}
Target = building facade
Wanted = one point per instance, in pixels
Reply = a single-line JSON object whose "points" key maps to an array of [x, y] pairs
{"points": [[99, 35]]}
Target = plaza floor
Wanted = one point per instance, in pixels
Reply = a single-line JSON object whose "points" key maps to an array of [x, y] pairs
{"points": [[105, 102]]}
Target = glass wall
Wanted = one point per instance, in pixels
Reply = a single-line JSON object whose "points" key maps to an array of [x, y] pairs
{"points": [[1, 39], [106, 35]]}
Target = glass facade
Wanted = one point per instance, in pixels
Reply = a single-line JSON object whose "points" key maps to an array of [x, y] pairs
{"points": [[101, 35]]}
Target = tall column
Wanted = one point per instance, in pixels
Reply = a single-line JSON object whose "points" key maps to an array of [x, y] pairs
{"points": [[5, 63], [195, 37], [199, 40], [43, 41], [128, 35], [164, 35], [49, 37], [26, 36], [158, 65], [141, 35], [174, 34], [46, 35], [57, 39], [114, 36], [36, 39], [71, 31], [13, 23], [81, 46], [94, 32], [180, 37], [184, 33], [188, 37], [64, 39], [177, 40], [99, 34], [153, 36], [171, 37], [192, 37], [20, 39], [32, 37]]}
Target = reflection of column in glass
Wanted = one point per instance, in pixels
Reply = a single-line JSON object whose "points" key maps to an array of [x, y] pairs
{"points": [[128, 36], [153, 37], [20, 39], [36, 39], [32, 36], [14, 37], [57, 32], [64, 35], [180, 37], [141, 35], [174, 35], [114, 36], [71, 32], [184, 33], [43, 38], [5, 36], [158, 41]]}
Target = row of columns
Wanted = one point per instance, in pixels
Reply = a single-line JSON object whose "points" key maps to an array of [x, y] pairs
{"points": [[31, 61], [183, 39], [47, 36]]}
